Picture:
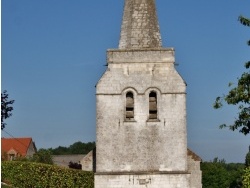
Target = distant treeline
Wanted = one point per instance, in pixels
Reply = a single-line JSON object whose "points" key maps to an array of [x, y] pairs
{"points": [[219, 174], [76, 148]]}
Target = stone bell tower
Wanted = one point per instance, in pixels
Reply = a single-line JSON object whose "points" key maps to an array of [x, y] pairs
{"points": [[141, 109]]}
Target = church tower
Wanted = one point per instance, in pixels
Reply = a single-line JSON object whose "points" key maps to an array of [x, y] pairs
{"points": [[141, 109]]}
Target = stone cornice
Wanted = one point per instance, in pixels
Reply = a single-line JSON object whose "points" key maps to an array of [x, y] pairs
{"points": [[155, 55]]}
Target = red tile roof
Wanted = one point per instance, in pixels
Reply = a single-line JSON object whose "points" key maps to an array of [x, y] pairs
{"points": [[20, 145]]}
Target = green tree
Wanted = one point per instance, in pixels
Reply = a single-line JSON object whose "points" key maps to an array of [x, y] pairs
{"points": [[61, 150], [42, 156], [75, 148], [219, 174], [247, 161], [6, 108], [239, 95], [246, 175], [214, 175]]}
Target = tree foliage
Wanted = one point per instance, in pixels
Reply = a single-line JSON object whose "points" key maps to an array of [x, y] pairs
{"points": [[42, 156], [219, 174], [239, 95], [247, 160], [246, 22], [76, 148], [246, 178], [6, 108]]}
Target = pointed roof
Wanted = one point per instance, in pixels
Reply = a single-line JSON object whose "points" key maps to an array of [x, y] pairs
{"points": [[20, 145], [140, 28]]}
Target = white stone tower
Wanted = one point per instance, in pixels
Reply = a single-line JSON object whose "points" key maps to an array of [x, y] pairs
{"points": [[141, 109]]}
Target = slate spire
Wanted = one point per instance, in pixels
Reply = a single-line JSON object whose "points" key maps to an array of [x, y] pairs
{"points": [[140, 27]]}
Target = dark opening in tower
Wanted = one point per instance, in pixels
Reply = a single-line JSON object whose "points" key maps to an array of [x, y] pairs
{"points": [[152, 105], [129, 106]]}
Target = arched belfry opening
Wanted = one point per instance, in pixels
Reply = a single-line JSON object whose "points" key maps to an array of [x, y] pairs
{"points": [[129, 106], [153, 113]]}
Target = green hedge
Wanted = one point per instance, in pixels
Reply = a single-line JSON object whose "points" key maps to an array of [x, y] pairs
{"points": [[37, 175]]}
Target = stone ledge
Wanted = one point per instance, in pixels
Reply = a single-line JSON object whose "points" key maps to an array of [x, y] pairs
{"points": [[120, 93], [161, 55], [142, 173]]}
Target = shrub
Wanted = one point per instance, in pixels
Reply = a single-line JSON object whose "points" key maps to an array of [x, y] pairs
{"points": [[246, 178], [75, 165], [36, 175], [42, 156]]}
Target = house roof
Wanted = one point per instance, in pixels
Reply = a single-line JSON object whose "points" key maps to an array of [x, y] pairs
{"points": [[20, 145], [193, 155]]}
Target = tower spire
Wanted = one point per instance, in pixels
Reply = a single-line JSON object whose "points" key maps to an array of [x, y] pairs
{"points": [[140, 28]]}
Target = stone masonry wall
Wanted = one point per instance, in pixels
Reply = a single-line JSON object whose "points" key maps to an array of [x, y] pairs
{"points": [[141, 145], [196, 174], [142, 181], [87, 162], [140, 70]]}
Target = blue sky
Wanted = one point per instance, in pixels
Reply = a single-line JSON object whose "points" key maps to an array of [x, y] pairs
{"points": [[54, 52]]}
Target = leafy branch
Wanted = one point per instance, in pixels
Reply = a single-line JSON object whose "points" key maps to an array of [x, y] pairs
{"points": [[239, 95]]}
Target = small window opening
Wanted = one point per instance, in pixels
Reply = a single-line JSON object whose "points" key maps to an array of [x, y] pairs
{"points": [[11, 157], [152, 105], [129, 106]]}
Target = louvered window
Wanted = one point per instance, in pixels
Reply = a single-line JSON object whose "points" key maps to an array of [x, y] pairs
{"points": [[129, 106], [152, 105]]}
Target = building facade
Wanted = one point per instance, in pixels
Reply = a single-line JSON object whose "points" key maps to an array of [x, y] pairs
{"points": [[141, 110], [12, 148]]}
